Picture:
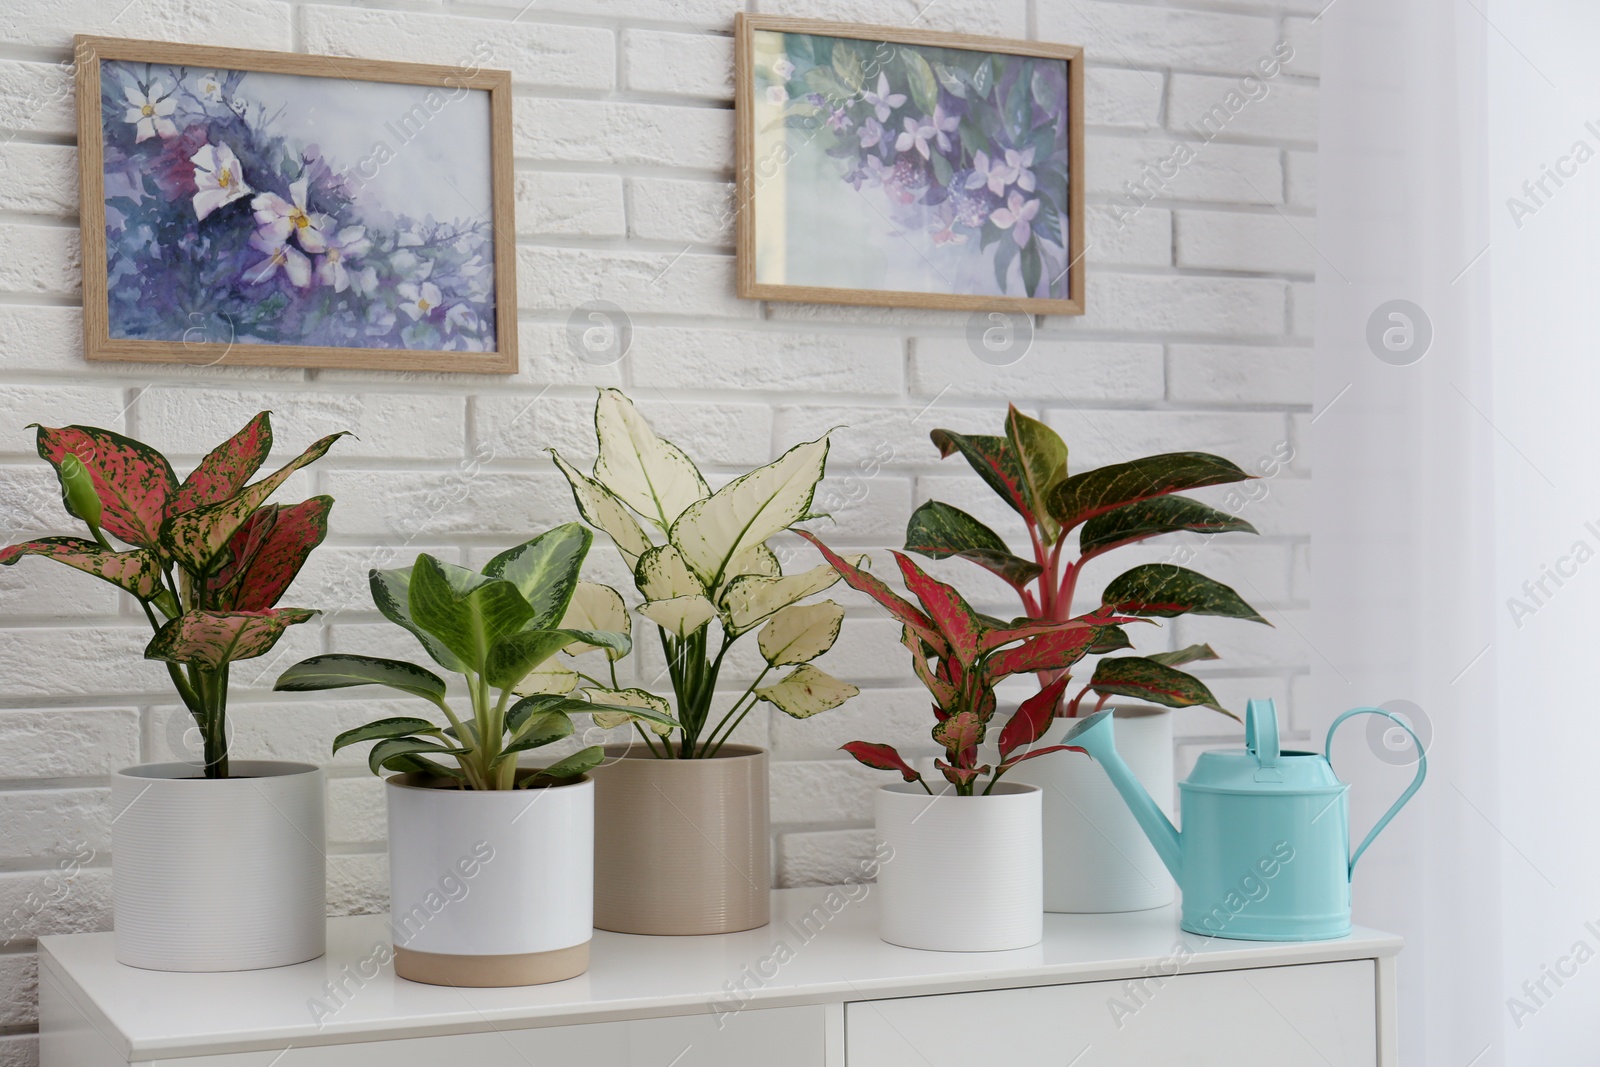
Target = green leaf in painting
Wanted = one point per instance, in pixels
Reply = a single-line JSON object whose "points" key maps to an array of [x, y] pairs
{"points": [[952, 84], [1003, 255], [848, 65], [920, 79], [941, 169], [1032, 268]]}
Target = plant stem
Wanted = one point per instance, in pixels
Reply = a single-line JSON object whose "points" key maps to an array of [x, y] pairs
{"points": [[749, 689], [651, 745]]}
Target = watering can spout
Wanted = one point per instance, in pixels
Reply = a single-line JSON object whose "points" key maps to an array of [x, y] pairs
{"points": [[1095, 736]]}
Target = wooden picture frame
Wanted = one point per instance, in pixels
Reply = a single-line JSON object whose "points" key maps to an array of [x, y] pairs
{"points": [[967, 216], [358, 261]]}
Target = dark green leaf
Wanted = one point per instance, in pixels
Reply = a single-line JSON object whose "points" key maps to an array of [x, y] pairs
{"points": [[1145, 679], [1004, 253], [341, 670], [1165, 590], [994, 461], [580, 762], [938, 531], [385, 751], [1110, 639], [1178, 658], [545, 570], [513, 656], [403, 726], [391, 592], [543, 729], [1032, 268], [1083, 496], [920, 78], [1042, 459], [465, 610], [1149, 518]]}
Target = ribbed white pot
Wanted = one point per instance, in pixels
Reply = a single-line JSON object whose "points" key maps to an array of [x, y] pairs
{"points": [[960, 874], [1096, 859], [218, 874], [490, 887]]}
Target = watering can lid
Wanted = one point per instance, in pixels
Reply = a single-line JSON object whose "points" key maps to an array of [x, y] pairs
{"points": [[1261, 766]]}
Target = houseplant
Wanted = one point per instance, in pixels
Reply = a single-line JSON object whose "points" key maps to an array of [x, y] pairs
{"points": [[977, 839], [219, 864], [518, 840], [1096, 859], [707, 579]]}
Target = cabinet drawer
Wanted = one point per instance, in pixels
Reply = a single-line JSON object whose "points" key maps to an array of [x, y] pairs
{"points": [[779, 1037], [1320, 1015]]}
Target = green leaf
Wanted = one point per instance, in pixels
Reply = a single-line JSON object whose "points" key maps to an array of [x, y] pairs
{"points": [[78, 492], [465, 610], [920, 79], [403, 726], [511, 657], [1083, 496], [545, 570], [651, 476], [544, 728], [993, 459], [388, 753], [806, 691], [580, 762], [1150, 518], [341, 670], [1110, 639], [1042, 458], [1145, 679], [1165, 590], [391, 592], [1178, 658]]}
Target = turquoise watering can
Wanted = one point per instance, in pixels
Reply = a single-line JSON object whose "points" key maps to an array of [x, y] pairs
{"points": [[1265, 850]]}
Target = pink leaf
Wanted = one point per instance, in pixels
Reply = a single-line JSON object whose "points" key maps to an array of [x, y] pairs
{"points": [[136, 571], [1051, 651], [882, 758], [960, 776], [960, 735], [1039, 752], [228, 466], [133, 481], [900, 608], [1033, 717], [268, 551], [949, 611], [213, 638]]}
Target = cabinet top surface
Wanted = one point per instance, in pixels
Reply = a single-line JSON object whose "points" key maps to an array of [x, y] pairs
{"points": [[821, 946]]}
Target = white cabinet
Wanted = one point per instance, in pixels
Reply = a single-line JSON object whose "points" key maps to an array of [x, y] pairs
{"points": [[816, 988]]}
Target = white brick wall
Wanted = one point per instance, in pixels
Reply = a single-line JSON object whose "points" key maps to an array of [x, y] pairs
{"points": [[1198, 335]]}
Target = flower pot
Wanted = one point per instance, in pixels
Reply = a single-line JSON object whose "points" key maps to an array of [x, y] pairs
{"points": [[682, 845], [960, 874], [1096, 859], [490, 887], [218, 874]]}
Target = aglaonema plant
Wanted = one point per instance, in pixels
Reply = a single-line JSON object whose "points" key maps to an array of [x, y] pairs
{"points": [[960, 656], [207, 558], [707, 578], [496, 629], [1108, 507]]}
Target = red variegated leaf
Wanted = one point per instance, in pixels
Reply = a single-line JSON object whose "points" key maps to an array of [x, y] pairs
{"points": [[882, 758], [864, 582], [960, 733], [993, 639], [195, 538], [960, 776], [947, 608], [134, 482], [213, 638], [944, 694], [268, 551], [227, 468], [993, 459], [136, 571], [1037, 752], [1047, 652], [1033, 717]]}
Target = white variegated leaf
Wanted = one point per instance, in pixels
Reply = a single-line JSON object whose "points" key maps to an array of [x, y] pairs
{"points": [[751, 599], [662, 575], [714, 533], [651, 476], [680, 615], [596, 607], [800, 633], [633, 698], [806, 691], [548, 677], [605, 512]]}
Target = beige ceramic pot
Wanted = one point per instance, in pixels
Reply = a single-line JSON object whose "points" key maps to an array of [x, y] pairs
{"points": [[682, 846]]}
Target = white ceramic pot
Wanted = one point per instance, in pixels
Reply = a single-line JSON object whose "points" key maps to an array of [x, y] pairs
{"points": [[218, 874], [490, 887], [960, 874], [1096, 859]]}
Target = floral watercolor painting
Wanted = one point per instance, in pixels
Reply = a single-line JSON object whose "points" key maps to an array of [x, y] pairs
{"points": [[264, 208], [912, 168]]}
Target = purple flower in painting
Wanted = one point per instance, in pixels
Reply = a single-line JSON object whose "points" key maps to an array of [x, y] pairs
{"points": [[343, 246], [1018, 163], [282, 218], [217, 179], [839, 121], [916, 135], [945, 125], [883, 101], [870, 133], [993, 173], [905, 179], [151, 111], [1017, 217], [971, 206], [418, 301], [279, 255]]}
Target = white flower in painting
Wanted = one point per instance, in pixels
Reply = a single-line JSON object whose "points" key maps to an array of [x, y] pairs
{"points": [[217, 180], [411, 265], [418, 301], [883, 101], [283, 218], [1017, 217], [279, 255], [460, 317], [777, 95], [343, 246], [995, 174], [150, 111], [208, 87], [783, 68], [364, 281]]}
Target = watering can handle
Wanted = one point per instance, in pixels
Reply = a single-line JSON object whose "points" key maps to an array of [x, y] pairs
{"points": [[1261, 731], [1411, 790]]}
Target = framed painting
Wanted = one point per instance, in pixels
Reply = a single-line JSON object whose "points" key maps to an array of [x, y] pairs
{"points": [[906, 168], [244, 207]]}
